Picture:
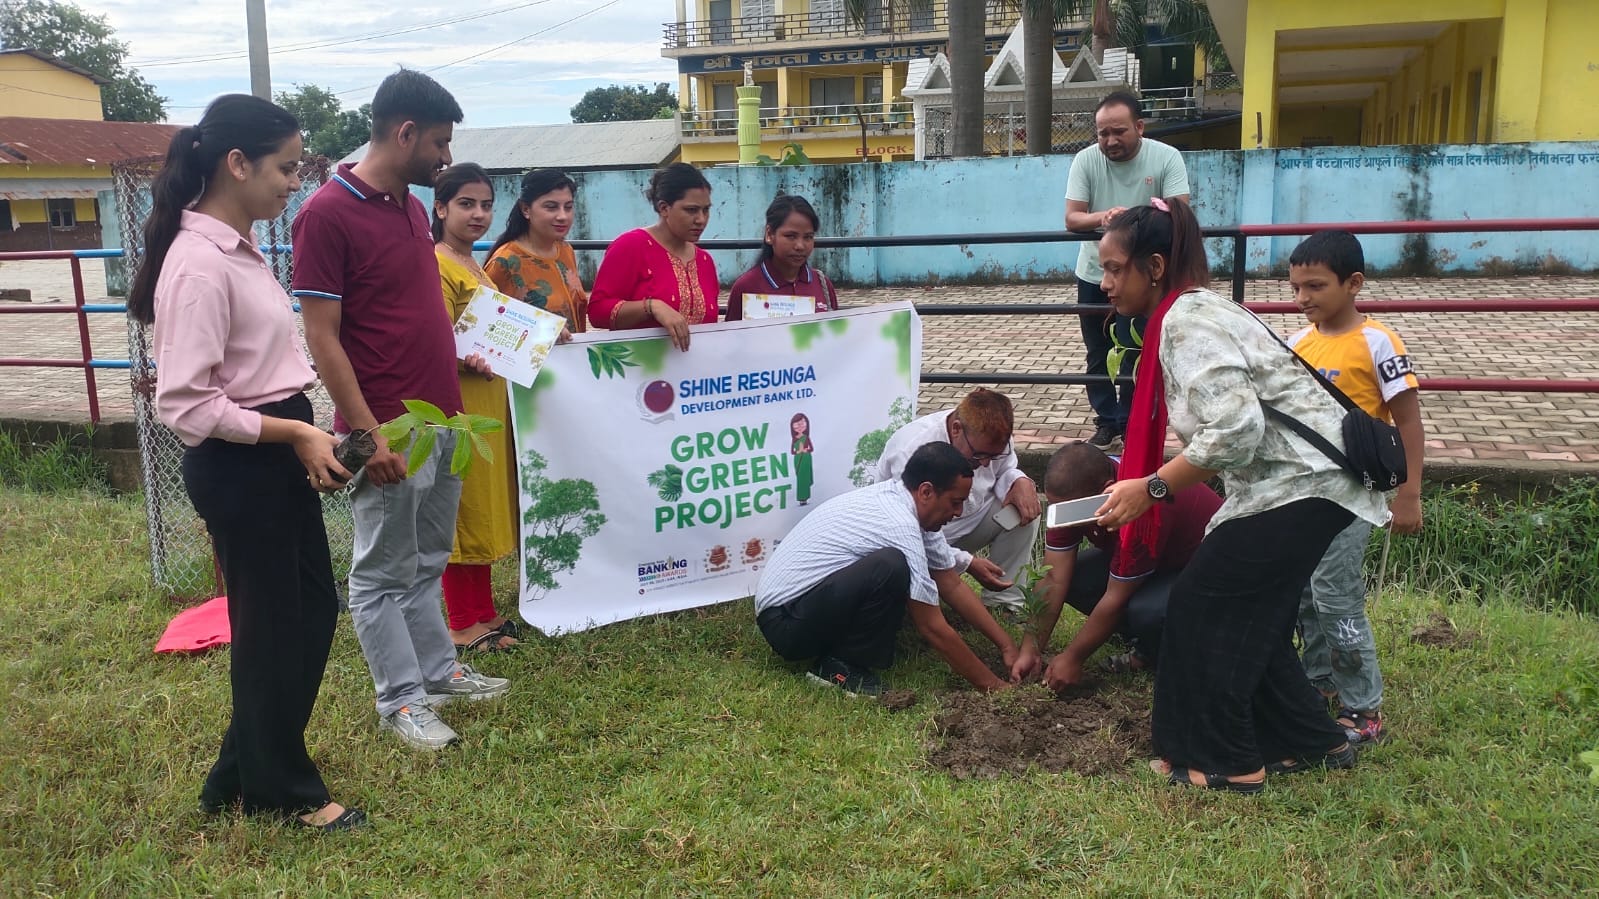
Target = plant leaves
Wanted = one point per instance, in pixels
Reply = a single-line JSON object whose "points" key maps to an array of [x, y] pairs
{"points": [[461, 458], [484, 424], [401, 426], [482, 446], [595, 361], [420, 450], [427, 412]]}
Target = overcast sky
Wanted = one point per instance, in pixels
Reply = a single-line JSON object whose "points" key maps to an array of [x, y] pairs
{"points": [[511, 63]]}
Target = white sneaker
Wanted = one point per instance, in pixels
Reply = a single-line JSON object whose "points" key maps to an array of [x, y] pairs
{"points": [[465, 683], [419, 726]]}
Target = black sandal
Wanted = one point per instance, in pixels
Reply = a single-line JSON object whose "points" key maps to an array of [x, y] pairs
{"points": [[477, 645], [1336, 760], [349, 820], [1179, 778], [510, 628]]}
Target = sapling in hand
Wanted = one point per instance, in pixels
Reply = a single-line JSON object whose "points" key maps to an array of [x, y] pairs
{"points": [[416, 432]]}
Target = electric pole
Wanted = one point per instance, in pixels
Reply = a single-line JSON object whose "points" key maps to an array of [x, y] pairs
{"points": [[255, 26]]}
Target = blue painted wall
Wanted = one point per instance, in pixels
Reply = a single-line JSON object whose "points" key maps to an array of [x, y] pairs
{"points": [[1540, 180]]}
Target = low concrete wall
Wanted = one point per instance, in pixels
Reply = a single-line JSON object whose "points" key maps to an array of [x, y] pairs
{"points": [[114, 443]]}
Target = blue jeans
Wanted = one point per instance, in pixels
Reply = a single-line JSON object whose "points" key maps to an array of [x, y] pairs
{"points": [[1340, 653]]}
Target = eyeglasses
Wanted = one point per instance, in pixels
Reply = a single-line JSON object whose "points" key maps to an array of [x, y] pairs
{"points": [[975, 456]]}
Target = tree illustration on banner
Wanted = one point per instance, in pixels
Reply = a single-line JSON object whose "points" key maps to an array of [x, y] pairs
{"points": [[560, 515], [870, 447]]}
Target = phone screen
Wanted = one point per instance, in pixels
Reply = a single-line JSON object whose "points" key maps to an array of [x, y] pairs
{"points": [[1076, 512]]}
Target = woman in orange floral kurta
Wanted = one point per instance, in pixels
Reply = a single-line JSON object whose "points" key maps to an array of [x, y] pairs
{"points": [[531, 260]]}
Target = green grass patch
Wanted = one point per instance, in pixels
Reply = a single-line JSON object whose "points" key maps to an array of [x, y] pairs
{"points": [[57, 466], [675, 756], [1542, 549]]}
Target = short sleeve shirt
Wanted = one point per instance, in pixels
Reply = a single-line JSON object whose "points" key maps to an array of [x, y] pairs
{"points": [[1179, 537], [356, 245], [1369, 364], [761, 279], [1157, 171]]}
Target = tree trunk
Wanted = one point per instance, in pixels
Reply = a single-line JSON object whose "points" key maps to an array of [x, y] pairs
{"points": [[1103, 30], [1038, 73], [966, 21]]}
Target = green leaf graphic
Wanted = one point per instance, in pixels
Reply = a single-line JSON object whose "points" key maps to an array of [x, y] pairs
{"points": [[838, 325], [668, 483], [898, 329], [651, 354], [805, 334]]}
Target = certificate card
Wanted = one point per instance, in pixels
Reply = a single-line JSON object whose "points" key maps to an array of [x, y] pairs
{"points": [[770, 305], [515, 337]]}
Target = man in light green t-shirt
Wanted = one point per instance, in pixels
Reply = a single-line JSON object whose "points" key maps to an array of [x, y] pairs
{"points": [[1122, 169]]}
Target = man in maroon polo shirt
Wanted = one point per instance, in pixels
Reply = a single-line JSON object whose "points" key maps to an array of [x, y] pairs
{"points": [[377, 326]]}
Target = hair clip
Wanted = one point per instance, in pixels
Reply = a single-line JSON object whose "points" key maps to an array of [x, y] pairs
{"points": [[1160, 204]]}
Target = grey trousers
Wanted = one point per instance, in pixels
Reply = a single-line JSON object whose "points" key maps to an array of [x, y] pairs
{"points": [[1010, 550], [1340, 653], [403, 536]]}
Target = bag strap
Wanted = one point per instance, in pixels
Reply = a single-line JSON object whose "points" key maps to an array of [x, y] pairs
{"points": [[1309, 434]]}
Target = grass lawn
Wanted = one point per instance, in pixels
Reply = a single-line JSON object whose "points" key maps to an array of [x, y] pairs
{"points": [[677, 756]]}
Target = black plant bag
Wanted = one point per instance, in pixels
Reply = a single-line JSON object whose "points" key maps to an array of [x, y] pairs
{"points": [[1372, 451]]}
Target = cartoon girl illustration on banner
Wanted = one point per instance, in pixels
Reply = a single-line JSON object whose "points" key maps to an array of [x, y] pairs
{"points": [[799, 428]]}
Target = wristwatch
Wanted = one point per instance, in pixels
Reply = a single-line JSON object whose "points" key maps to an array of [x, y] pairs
{"points": [[1159, 490]]}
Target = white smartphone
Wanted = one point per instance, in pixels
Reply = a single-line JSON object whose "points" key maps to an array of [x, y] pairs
{"points": [[1076, 512], [1007, 517]]}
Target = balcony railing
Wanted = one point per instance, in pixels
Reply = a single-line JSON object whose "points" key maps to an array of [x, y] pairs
{"points": [[724, 122], [823, 25]]}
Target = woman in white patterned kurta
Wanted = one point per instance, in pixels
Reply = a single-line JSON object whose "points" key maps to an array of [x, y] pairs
{"points": [[1231, 698]]}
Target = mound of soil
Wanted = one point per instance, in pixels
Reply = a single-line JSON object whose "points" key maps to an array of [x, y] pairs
{"points": [[1439, 631], [898, 700], [1087, 731]]}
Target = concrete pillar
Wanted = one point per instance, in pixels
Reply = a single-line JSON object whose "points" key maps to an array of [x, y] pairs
{"points": [[1520, 87], [749, 123], [1260, 79]]}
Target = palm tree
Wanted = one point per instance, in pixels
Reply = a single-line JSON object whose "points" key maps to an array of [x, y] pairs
{"points": [[966, 56], [1188, 20], [1039, 18]]}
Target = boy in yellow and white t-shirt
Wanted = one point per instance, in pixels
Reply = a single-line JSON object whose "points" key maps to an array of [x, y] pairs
{"points": [[1367, 361]]}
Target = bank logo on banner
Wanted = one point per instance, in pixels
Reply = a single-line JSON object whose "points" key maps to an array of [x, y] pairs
{"points": [[653, 480]]}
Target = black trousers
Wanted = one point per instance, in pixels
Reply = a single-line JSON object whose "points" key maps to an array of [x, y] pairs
{"points": [[1144, 616], [1230, 693], [266, 527], [1112, 403], [853, 614]]}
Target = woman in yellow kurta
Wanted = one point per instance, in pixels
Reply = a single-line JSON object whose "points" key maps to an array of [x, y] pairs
{"points": [[463, 202], [531, 260]]}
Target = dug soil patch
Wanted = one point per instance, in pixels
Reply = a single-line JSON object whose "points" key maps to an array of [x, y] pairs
{"points": [[1087, 731], [1439, 631]]}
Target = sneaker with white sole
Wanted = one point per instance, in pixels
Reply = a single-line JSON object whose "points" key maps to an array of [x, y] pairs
{"points": [[853, 680], [420, 726], [466, 683]]}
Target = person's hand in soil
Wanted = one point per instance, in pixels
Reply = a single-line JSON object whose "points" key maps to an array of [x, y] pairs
{"points": [[1064, 671], [477, 363], [1028, 664], [988, 574], [1023, 495], [386, 466]]}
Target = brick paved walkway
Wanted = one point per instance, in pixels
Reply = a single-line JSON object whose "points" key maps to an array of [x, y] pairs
{"points": [[1494, 429]]}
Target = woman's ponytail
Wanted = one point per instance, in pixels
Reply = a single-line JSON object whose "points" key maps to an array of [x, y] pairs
{"points": [[179, 183]]}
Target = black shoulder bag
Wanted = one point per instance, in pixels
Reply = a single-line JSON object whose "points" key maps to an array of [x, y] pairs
{"points": [[1372, 451]]}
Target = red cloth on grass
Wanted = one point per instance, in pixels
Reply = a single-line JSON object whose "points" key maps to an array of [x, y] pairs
{"points": [[199, 628]]}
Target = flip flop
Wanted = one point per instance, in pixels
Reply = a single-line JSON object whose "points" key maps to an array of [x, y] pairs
{"points": [[1332, 761], [1179, 778]]}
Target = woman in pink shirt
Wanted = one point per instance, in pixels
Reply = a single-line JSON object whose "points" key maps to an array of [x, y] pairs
{"points": [[231, 375], [656, 276]]}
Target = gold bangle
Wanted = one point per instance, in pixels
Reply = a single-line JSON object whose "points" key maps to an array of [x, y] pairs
{"points": [[648, 315]]}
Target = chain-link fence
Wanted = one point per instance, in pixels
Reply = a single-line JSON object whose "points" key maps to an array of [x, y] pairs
{"points": [[180, 549], [1005, 131]]}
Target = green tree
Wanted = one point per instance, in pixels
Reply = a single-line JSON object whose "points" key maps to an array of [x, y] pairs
{"points": [[869, 449], [88, 42], [561, 514], [328, 128], [625, 103]]}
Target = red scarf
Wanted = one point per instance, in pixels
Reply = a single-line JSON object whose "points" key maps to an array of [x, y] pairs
{"points": [[1145, 448]]}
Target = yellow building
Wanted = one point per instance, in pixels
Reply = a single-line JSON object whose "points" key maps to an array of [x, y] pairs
{"points": [[827, 82], [1422, 71], [56, 152]]}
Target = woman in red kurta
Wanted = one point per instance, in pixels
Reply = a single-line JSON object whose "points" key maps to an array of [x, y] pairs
{"points": [[656, 276]]}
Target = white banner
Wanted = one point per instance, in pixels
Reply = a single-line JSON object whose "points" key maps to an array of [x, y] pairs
{"points": [[653, 480]]}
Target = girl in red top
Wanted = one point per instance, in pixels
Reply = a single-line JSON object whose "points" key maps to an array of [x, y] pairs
{"points": [[656, 276], [785, 266]]}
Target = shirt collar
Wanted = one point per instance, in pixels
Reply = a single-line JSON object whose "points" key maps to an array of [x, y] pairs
{"points": [[216, 231], [346, 178], [804, 275]]}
